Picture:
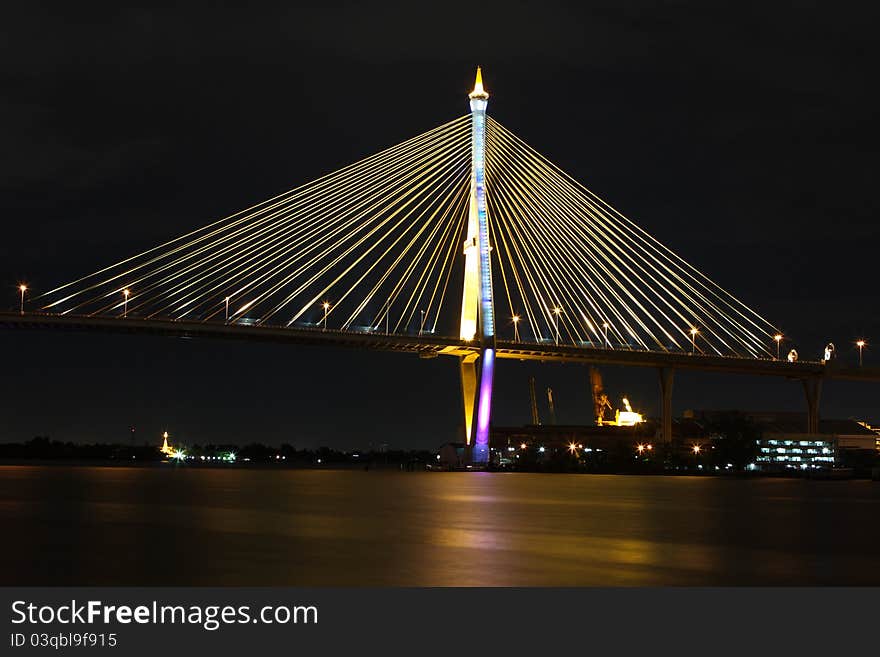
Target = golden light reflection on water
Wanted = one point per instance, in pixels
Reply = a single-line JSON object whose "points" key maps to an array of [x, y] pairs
{"points": [[352, 528]]}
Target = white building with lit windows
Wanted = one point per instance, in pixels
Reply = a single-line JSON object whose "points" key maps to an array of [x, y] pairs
{"points": [[838, 443]]}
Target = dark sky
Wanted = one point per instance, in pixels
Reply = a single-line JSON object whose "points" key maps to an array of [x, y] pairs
{"points": [[744, 138]]}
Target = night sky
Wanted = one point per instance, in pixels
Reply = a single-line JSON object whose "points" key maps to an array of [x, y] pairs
{"points": [[744, 139]]}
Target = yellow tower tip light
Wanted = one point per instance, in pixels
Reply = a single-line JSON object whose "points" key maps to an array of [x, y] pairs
{"points": [[478, 91]]}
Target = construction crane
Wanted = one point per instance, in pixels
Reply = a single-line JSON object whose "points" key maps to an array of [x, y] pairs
{"points": [[625, 418], [536, 419], [600, 399]]}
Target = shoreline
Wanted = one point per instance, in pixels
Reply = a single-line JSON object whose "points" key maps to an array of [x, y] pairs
{"points": [[842, 474]]}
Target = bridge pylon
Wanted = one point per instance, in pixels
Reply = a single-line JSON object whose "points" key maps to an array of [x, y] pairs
{"points": [[477, 310]]}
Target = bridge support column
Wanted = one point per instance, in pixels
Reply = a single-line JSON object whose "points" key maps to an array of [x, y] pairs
{"points": [[666, 379], [469, 394], [476, 393], [812, 390]]}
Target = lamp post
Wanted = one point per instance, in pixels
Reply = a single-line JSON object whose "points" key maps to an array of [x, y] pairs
{"points": [[694, 332], [22, 288], [326, 307], [605, 327], [388, 317], [422, 322], [778, 338], [227, 310], [125, 293], [556, 311], [861, 345], [516, 328]]}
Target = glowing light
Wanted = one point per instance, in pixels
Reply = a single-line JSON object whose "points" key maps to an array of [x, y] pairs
{"points": [[573, 448], [478, 92], [22, 288], [522, 446], [640, 448], [860, 343], [166, 449], [697, 449], [481, 445], [777, 337]]}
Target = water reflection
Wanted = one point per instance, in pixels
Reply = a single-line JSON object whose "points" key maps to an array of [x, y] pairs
{"points": [[155, 525]]}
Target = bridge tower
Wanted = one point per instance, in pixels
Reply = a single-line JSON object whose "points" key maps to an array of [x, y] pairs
{"points": [[477, 310]]}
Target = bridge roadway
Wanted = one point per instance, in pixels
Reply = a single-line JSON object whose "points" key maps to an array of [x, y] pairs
{"points": [[812, 373], [428, 346]]}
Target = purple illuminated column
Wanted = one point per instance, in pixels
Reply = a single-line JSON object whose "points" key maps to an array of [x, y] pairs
{"points": [[484, 412], [479, 99]]}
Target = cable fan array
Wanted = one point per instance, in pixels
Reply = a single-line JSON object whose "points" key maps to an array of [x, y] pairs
{"points": [[368, 247], [577, 271], [378, 246]]}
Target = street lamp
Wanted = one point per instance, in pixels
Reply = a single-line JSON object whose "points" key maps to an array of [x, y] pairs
{"points": [[697, 449], [778, 338], [126, 293], [861, 345], [605, 326], [22, 288], [556, 312], [516, 328], [227, 310], [422, 322], [694, 332], [326, 307]]}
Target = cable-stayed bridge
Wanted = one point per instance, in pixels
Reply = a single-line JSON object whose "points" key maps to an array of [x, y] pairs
{"points": [[462, 241]]}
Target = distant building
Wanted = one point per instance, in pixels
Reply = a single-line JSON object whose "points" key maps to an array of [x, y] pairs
{"points": [[603, 438], [453, 456], [785, 445], [782, 444], [546, 443], [795, 451], [871, 427]]}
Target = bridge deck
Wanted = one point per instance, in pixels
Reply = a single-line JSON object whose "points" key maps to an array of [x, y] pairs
{"points": [[429, 346]]}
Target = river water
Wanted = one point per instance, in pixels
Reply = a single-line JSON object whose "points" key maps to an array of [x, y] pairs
{"points": [[238, 526]]}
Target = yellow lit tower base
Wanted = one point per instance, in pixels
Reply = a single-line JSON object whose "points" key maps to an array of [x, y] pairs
{"points": [[476, 304], [166, 449]]}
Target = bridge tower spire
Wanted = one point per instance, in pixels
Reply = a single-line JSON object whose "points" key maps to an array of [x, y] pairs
{"points": [[477, 310]]}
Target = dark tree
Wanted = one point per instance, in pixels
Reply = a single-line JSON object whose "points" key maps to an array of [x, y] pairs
{"points": [[735, 438]]}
